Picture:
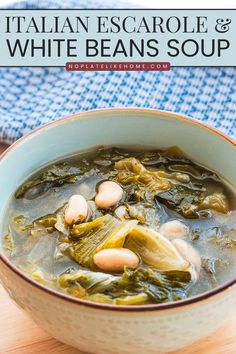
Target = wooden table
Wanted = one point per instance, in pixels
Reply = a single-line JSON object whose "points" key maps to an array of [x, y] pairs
{"points": [[19, 334]]}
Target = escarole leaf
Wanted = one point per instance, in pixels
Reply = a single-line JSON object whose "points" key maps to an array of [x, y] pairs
{"points": [[174, 189], [48, 222], [92, 286], [133, 287], [90, 282], [162, 157], [107, 232], [134, 172], [183, 199], [91, 237], [155, 250], [138, 299], [194, 170], [137, 212], [189, 200], [149, 216], [53, 176], [87, 228], [159, 286], [216, 201]]}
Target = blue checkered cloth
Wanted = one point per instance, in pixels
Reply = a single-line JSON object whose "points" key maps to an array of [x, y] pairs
{"points": [[30, 97]]}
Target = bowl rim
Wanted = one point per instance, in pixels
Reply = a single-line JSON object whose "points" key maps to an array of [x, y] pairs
{"points": [[100, 306]]}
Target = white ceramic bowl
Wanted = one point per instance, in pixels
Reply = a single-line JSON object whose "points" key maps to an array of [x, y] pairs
{"points": [[107, 329]]}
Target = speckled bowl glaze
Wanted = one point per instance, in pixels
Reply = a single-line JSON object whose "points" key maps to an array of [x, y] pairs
{"points": [[107, 329]]}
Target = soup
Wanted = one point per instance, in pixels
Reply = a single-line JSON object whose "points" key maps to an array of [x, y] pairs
{"points": [[124, 227]]}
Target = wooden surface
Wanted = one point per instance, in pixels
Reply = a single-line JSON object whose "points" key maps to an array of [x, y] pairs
{"points": [[19, 334], [2, 147]]}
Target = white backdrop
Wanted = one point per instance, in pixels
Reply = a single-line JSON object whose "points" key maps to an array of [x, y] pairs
{"points": [[170, 3]]}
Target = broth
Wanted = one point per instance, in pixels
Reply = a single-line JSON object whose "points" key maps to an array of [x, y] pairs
{"points": [[175, 216]]}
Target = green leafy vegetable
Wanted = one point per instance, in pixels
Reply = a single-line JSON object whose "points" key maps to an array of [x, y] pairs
{"points": [[91, 237], [134, 287], [157, 185], [88, 228], [187, 169], [155, 250], [135, 172], [194, 170], [183, 199], [216, 201], [145, 214], [162, 157], [107, 232], [92, 282], [53, 176], [137, 212], [47, 221], [138, 299], [160, 286]]}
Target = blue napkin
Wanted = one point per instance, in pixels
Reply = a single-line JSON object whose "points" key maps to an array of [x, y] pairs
{"points": [[30, 97]]}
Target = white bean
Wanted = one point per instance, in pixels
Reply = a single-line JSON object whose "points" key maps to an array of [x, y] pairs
{"points": [[189, 253], [76, 210], [174, 228], [109, 193], [115, 259]]}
